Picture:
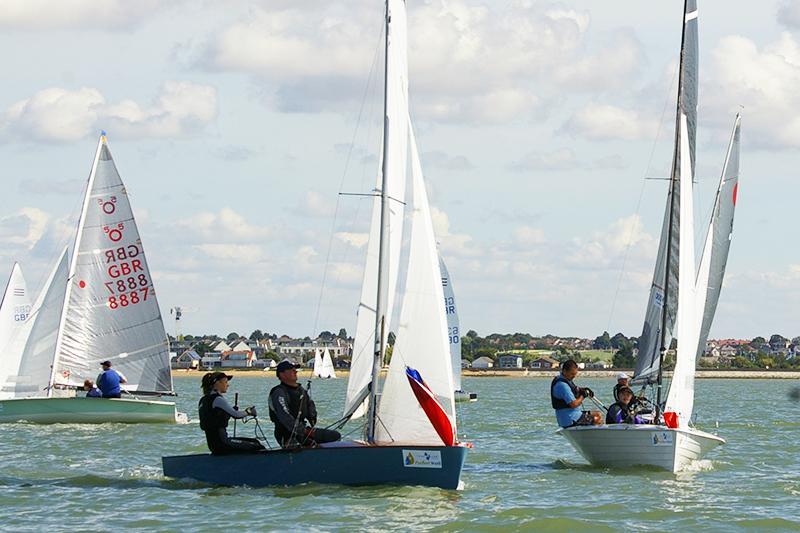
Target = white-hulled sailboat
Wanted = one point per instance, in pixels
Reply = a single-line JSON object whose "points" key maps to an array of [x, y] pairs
{"points": [[97, 305], [454, 334], [410, 430], [680, 296], [323, 364]]}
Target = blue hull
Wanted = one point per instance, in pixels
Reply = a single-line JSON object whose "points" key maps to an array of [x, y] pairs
{"points": [[343, 464]]}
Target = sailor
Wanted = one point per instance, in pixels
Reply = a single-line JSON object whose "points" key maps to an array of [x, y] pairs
{"points": [[621, 411], [109, 381], [91, 390], [294, 413], [566, 398], [215, 412], [622, 381]]}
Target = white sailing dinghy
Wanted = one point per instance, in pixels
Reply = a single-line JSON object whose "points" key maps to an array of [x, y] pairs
{"points": [[410, 430], [680, 297], [14, 310], [99, 305], [454, 334], [323, 364]]}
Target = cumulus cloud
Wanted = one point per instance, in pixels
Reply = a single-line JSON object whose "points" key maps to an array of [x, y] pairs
{"points": [[439, 159], [564, 159], [762, 80], [223, 227], [25, 227], [316, 205], [606, 248], [76, 14], [61, 115], [525, 54], [601, 122], [57, 187]]}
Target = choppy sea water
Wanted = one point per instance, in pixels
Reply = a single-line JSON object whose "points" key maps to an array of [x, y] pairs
{"points": [[519, 476]]}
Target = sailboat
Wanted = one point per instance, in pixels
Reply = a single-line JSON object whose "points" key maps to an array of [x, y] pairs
{"points": [[454, 334], [410, 428], [323, 364], [97, 304], [682, 300], [14, 310]]}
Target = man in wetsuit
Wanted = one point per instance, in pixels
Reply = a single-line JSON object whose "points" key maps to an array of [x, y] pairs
{"points": [[294, 413], [567, 398], [215, 412]]}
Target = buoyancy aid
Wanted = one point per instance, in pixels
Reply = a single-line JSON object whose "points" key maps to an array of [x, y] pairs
{"points": [[558, 403]]}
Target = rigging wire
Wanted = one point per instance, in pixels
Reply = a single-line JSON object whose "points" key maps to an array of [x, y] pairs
{"points": [[648, 169], [341, 182]]}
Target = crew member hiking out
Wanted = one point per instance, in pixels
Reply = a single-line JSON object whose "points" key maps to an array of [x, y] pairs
{"points": [[215, 412], [567, 398], [294, 413]]}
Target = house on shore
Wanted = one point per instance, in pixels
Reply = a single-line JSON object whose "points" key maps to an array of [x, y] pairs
{"points": [[483, 362], [544, 363], [510, 361]]}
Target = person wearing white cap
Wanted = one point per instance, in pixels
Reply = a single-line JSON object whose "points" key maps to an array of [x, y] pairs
{"points": [[622, 381]]}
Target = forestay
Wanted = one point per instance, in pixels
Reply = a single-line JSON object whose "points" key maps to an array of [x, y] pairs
{"points": [[111, 310], [718, 239], [653, 338], [396, 128], [33, 379], [15, 307], [422, 342], [453, 324]]}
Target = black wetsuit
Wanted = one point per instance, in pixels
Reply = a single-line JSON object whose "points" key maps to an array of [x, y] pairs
{"points": [[618, 413], [215, 412], [290, 409]]}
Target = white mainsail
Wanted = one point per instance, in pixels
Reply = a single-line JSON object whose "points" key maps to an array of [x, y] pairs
{"points": [[111, 311], [453, 324], [422, 340], [396, 129], [718, 239], [326, 365], [317, 363], [15, 307], [33, 377]]}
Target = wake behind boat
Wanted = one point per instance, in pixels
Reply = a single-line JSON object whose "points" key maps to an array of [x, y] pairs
{"points": [[96, 305], [410, 432], [681, 298]]}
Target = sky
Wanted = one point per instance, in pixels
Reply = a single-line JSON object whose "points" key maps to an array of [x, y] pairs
{"points": [[235, 125]]}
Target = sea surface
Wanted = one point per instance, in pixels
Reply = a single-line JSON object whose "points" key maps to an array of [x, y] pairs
{"points": [[519, 476]]}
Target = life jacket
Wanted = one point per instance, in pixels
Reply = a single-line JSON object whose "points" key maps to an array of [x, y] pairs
{"points": [[211, 419], [295, 395], [558, 403], [109, 382]]}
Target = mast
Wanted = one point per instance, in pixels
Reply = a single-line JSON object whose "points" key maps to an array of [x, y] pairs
{"points": [[74, 260], [675, 172], [383, 248]]}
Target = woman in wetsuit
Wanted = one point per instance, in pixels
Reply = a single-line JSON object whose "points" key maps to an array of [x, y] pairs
{"points": [[215, 412]]}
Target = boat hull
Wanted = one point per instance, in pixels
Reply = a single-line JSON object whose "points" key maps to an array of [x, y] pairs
{"points": [[630, 446], [461, 396], [86, 411], [342, 463]]}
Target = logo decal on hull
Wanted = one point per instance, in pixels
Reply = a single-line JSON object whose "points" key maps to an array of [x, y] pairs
{"points": [[422, 459], [662, 438]]}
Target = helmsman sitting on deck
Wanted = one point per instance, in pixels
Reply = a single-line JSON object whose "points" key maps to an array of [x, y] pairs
{"points": [[567, 398], [215, 412], [294, 413], [109, 381]]}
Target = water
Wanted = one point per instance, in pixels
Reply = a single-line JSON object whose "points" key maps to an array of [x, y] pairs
{"points": [[520, 475]]}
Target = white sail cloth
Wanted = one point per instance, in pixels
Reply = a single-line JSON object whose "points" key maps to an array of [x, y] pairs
{"points": [[15, 307], [422, 340], [33, 377], [453, 324], [326, 365], [396, 129], [111, 311]]}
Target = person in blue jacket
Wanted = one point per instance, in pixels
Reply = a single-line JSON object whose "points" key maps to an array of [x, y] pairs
{"points": [[567, 398], [91, 390], [109, 381]]}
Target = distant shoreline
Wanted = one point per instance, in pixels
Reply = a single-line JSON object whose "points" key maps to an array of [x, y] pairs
{"points": [[508, 373]]}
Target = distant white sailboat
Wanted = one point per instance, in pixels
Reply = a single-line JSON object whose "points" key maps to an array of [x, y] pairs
{"points": [[15, 307], [680, 296], [97, 305], [323, 364], [454, 334]]}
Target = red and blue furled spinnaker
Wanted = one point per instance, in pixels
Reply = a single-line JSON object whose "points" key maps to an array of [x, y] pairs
{"points": [[430, 404]]}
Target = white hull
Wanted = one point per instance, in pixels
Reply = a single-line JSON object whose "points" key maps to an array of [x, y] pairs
{"points": [[629, 445], [88, 411], [461, 396]]}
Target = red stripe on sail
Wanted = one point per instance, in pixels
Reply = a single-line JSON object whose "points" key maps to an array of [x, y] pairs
{"points": [[433, 409], [735, 193]]}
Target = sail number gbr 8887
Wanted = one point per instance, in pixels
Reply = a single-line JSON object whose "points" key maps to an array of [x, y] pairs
{"points": [[128, 284]]}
